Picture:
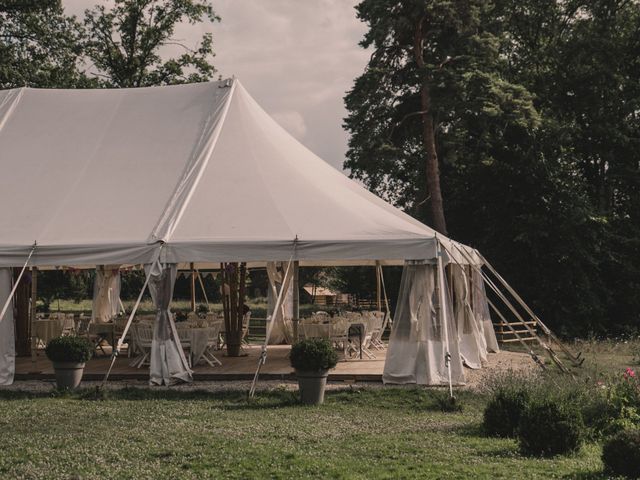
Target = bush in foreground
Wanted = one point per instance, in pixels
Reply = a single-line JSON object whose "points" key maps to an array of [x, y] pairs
{"points": [[621, 454], [502, 414], [550, 427]]}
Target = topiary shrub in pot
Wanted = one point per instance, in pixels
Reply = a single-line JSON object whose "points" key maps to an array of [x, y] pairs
{"points": [[68, 355], [312, 359], [621, 454], [550, 427]]}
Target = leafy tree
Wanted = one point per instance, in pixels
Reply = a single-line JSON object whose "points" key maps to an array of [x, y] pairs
{"points": [[535, 111], [39, 45], [125, 42], [429, 59]]}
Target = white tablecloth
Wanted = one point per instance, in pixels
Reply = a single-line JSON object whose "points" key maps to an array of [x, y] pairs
{"points": [[198, 339], [47, 329], [316, 330]]}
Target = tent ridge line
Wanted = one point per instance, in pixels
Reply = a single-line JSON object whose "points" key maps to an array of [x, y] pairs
{"points": [[184, 190]]}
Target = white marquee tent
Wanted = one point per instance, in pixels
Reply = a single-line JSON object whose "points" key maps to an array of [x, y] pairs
{"points": [[190, 173]]}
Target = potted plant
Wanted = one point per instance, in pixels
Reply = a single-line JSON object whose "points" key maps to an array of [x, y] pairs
{"points": [[68, 355], [312, 359]]}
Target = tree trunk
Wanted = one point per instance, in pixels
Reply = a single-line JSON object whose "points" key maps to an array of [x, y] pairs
{"points": [[432, 168], [234, 275]]}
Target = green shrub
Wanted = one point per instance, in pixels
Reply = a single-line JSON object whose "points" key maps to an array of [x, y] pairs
{"points": [[502, 414], [621, 454], [550, 427], [313, 355], [69, 349]]}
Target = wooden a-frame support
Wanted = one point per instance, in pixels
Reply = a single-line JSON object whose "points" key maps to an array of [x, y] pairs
{"points": [[575, 359]]}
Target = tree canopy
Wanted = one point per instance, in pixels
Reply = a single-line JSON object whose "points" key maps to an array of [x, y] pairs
{"points": [[535, 110]]}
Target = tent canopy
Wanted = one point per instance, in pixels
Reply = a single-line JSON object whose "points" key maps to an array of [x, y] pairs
{"points": [[106, 176]]}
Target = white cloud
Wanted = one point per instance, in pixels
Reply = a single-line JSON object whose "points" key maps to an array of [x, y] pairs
{"points": [[291, 121], [297, 58]]}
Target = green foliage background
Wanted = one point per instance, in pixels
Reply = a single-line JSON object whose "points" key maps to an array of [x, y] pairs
{"points": [[536, 105]]}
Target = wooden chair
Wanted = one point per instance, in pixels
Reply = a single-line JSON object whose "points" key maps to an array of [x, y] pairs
{"points": [[143, 334]]}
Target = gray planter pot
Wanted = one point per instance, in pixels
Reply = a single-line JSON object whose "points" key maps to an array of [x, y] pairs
{"points": [[68, 374], [312, 386]]}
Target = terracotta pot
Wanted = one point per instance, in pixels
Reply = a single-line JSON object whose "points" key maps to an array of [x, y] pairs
{"points": [[68, 374], [312, 385]]}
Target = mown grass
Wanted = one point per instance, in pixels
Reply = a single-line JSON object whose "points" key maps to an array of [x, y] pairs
{"points": [[359, 434]]}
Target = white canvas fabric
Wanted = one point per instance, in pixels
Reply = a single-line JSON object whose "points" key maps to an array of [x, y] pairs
{"points": [[417, 344], [472, 343], [7, 342], [168, 362], [106, 294], [200, 167], [481, 311]]}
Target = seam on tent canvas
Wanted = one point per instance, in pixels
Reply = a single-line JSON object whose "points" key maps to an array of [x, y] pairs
{"points": [[13, 98], [192, 174]]}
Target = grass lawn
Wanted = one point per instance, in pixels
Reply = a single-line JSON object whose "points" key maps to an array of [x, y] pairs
{"points": [[371, 433]]}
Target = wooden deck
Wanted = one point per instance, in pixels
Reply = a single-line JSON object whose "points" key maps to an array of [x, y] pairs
{"points": [[241, 368]]}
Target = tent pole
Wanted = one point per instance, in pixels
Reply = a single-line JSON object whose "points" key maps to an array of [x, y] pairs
{"points": [[32, 320], [9, 299], [276, 310], [510, 306], [442, 315], [576, 359], [116, 350], [378, 288], [204, 292], [517, 335], [193, 287], [296, 299], [533, 355]]}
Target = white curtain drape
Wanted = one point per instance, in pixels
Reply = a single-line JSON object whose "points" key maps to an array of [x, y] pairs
{"points": [[473, 347], [417, 347], [7, 333], [106, 294], [481, 310], [281, 329], [168, 362]]}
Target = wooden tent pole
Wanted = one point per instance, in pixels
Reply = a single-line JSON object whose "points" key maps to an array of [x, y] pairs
{"points": [[32, 320], [378, 287], [193, 287]]}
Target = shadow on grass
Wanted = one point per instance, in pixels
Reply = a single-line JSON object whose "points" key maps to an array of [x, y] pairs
{"points": [[587, 476], [228, 400], [407, 399]]}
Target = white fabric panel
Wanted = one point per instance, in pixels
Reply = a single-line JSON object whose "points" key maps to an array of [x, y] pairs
{"points": [[472, 343], [417, 348], [275, 272], [7, 331], [106, 294], [168, 362], [481, 310]]}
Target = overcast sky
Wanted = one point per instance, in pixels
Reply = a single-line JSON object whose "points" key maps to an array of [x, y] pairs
{"points": [[297, 58]]}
